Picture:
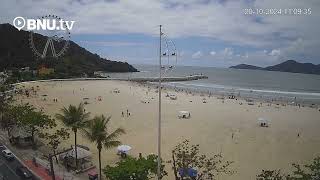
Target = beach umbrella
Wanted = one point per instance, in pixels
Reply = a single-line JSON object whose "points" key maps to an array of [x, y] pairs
{"points": [[124, 148]]}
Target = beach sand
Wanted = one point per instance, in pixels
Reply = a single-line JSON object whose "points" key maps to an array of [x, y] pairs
{"points": [[211, 125]]}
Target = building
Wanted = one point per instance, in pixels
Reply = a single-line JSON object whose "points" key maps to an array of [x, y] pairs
{"points": [[20, 136], [42, 71]]}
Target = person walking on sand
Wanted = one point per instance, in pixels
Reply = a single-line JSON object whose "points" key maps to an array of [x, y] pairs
{"points": [[122, 114], [127, 112]]}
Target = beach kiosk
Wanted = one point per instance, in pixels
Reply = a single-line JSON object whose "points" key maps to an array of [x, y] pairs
{"points": [[184, 115], [263, 122], [83, 158]]}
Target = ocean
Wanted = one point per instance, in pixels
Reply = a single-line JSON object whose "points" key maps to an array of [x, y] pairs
{"points": [[268, 85]]}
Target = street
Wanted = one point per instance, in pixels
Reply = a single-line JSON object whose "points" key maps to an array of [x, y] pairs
{"points": [[8, 168]]}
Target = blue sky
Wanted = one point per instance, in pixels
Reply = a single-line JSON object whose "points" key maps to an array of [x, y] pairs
{"points": [[206, 32]]}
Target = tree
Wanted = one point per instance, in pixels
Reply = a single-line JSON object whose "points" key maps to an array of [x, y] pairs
{"points": [[134, 169], [54, 139], [271, 175], [6, 99], [75, 118], [7, 119], [187, 157], [32, 120], [309, 171], [97, 132], [306, 172]]}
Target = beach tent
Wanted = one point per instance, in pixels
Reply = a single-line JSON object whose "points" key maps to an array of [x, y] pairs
{"points": [[184, 114], [173, 97], [250, 101], [263, 122], [116, 90], [145, 101], [204, 100]]}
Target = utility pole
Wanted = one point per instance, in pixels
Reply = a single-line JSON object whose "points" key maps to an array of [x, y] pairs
{"points": [[159, 120], [51, 167]]}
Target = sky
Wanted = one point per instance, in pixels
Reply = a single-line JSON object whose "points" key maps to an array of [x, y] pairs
{"points": [[215, 33]]}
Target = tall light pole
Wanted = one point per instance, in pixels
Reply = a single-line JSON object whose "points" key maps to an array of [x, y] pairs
{"points": [[159, 120], [161, 68]]}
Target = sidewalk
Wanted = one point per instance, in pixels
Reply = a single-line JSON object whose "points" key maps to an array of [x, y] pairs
{"points": [[39, 170], [26, 155]]}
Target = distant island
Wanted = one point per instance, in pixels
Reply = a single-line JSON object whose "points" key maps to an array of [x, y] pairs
{"points": [[287, 66], [16, 55]]}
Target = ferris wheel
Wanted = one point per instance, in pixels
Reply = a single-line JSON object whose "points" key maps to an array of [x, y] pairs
{"points": [[50, 43]]}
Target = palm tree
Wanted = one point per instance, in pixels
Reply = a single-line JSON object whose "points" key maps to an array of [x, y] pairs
{"points": [[75, 118], [96, 131]]}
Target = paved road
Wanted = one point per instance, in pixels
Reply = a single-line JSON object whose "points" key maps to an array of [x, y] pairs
{"points": [[8, 168]]}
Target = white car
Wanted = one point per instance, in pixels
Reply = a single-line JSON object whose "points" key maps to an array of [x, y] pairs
{"points": [[8, 154]]}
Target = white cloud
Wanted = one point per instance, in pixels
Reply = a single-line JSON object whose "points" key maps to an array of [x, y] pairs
{"points": [[275, 52], [225, 21], [294, 36], [197, 55], [113, 43], [181, 53], [213, 53], [245, 55], [227, 52]]}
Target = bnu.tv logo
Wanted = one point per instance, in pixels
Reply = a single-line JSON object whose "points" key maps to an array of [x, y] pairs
{"points": [[42, 24]]}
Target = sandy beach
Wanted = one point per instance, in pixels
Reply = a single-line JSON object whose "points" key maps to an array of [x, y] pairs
{"points": [[212, 124]]}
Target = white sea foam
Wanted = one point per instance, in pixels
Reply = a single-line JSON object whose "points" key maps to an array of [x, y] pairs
{"points": [[230, 88]]}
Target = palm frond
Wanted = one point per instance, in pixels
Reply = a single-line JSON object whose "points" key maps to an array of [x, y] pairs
{"points": [[111, 144], [115, 134]]}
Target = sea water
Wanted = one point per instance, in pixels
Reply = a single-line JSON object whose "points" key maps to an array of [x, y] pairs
{"points": [[269, 85]]}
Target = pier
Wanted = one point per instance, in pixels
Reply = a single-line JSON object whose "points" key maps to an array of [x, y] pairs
{"points": [[169, 79]]}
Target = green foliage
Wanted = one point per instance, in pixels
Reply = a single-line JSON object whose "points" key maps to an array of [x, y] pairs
{"points": [[74, 117], [32, 120], [134, 169], [271, 175], [7, 119], [187, 156], [54, 139], [15, 53], [97, 131], [301, 172]]}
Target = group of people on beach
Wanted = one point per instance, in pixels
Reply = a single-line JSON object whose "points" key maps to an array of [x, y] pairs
{"points": [[128, 113]]}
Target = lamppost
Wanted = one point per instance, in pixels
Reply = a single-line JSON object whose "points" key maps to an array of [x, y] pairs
{"points": [[168, 54]]}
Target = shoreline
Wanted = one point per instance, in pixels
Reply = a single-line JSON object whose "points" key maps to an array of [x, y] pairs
{"points": [[283, 101]]}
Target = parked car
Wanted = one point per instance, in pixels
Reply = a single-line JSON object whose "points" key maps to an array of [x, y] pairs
{"points": [[7, 154], [23, 172]]}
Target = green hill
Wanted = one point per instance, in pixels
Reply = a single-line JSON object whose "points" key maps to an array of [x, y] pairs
{"points": [[15, 53]]}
